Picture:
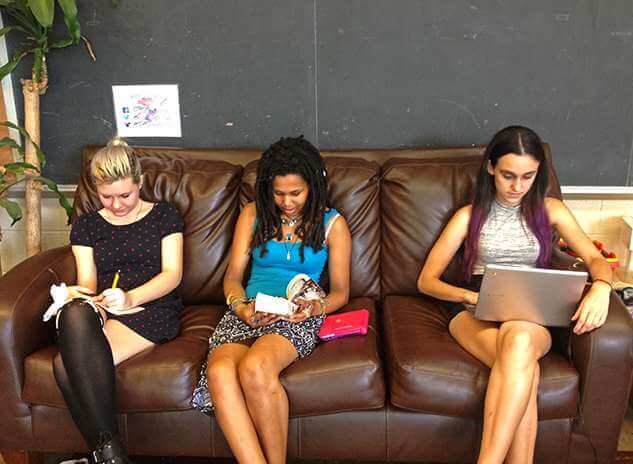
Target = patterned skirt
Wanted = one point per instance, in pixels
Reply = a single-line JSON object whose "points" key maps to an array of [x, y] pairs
{"points": [[231, 329]]}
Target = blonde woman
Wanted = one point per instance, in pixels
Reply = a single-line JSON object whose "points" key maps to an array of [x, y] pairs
{"points": [[128, 256]]}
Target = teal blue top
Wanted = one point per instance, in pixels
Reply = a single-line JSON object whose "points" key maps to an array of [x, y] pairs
{"points": [[271, 273]]}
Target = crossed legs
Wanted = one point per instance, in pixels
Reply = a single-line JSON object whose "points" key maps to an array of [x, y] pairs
{"points": [[512, 351], [250, 403], [84, 368]]}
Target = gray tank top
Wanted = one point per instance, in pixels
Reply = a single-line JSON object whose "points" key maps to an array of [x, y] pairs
{"points": [[506, 239]]}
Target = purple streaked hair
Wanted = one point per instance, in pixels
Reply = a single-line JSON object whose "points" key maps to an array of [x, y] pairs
{"points": [[519, 141]]}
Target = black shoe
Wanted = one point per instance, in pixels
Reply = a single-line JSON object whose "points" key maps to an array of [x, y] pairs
{"points": [[110, 451]]}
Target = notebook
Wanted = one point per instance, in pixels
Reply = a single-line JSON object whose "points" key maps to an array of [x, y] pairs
{"points": [[546, 297], [338, 325]]}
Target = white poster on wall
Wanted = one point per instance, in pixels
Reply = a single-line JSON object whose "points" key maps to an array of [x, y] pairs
{"points": [[146, 110]]}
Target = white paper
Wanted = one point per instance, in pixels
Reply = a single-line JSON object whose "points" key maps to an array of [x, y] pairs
{"points": [[147, 110], [274, 305]]}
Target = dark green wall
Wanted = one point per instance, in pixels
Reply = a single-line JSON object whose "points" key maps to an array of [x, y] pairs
{"points": [[358, 74]]}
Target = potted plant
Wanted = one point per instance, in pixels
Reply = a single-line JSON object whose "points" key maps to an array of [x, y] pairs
{"points": [[14, 173], [34, 20]]}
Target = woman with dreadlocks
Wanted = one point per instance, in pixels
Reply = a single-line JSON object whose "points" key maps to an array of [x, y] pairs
{"points": [[287, 230], [510, 222]]}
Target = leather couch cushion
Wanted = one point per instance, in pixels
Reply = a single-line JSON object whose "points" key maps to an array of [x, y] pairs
{"points": [[206, 193], [354, 191], [159, 379], [342, 375], [429, 372]]}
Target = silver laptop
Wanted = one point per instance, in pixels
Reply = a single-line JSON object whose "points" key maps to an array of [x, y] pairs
{"points": [[544, 296]]}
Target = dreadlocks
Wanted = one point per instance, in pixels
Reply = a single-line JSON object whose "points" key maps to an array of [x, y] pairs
{"points": [[291, 156]]}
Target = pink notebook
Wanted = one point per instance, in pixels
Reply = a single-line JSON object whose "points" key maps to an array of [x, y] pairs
{"points": [[339, 325]]}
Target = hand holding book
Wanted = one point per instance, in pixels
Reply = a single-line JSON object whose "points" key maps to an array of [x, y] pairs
{"points": [[246, 312], [303, 299]]}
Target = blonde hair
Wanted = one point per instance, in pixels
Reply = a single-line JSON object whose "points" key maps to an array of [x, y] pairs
{"points": [[114, 162]]}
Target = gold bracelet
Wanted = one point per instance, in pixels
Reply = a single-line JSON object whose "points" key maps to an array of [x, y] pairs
{"points": [[603, 280], [324, 304], [236, 301]]}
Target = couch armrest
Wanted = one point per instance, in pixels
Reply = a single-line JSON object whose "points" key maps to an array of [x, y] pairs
{"points": [[564, 262], [24, 296], [604, 359]]}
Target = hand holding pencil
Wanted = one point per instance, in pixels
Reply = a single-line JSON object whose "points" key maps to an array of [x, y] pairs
{"points": [[114, 298]]}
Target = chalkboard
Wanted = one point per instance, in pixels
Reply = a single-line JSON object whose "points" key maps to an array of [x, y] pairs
{"points": [[356, 74]]}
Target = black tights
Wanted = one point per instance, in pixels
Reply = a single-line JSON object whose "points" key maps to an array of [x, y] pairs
{"points": [[84, 370]]}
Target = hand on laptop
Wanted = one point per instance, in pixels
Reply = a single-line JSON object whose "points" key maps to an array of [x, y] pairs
{"points": [[470, 298], [593, 309]]}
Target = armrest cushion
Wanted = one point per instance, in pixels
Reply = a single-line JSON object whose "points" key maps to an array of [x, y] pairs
{"points": [[604, 359], [564, 262], [24, 296]]}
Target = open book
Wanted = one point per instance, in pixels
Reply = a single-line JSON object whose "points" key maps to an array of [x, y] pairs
{"points": [[300, 287]]}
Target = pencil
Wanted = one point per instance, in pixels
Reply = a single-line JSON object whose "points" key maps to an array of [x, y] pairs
{"points": [[115, 281]]}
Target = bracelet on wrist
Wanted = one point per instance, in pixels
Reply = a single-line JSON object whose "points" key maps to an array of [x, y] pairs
{"points": [[236, 301], [603, 280], [324, 304]]}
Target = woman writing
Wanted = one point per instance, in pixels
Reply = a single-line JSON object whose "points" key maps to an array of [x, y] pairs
{"points": [[128, 257]]}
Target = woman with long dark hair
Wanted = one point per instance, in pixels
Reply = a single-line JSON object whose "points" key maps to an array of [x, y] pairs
{"points": [[288, 230], [510, 221]]}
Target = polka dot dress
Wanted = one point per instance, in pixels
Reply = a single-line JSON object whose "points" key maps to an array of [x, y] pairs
{"points": [[135, 251]]}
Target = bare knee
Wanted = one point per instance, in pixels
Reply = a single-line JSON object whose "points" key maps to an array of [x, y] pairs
{"points": [[517, 349], [221, 375], [257, 376]]}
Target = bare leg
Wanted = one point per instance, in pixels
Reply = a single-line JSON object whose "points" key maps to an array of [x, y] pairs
{"points": [[519, 347], [229, 403], [265, 396], [522, 448], [479, 338], [124, 342]]}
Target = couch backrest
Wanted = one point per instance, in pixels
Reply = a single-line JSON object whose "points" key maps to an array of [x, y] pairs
{"points": [[354, 192], [418, 196], [206, 193], [396, 203]]}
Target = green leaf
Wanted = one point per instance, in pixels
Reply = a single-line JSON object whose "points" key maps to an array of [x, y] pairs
{"points": [[43, 10], [19, 167], [5, 2], [25, 134], [11, 65], [4, 30], [13, 209], [63, 43], [69, 8], [63, 201], [9, 142], [20, 12]]}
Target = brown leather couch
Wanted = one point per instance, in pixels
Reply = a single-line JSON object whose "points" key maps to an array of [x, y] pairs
{"points": [[404, 392]]}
